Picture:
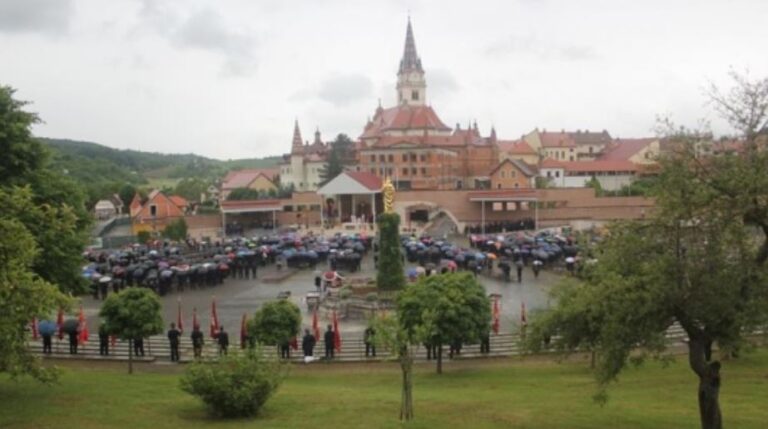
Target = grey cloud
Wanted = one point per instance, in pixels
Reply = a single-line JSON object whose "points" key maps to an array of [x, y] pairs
{"points": [[206, 30], [35, 16], [541, 49], [441, 82], [341, 90]]}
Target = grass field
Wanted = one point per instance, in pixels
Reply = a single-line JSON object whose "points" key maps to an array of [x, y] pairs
{"points": [[507, 393]]}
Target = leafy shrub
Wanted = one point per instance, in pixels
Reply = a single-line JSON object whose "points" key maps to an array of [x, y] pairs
{"points": [[372, 297], [345, 292], [234, 386]]}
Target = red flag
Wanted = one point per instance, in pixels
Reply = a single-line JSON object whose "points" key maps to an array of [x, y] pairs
{"points": [[83, 328], [113, 340], [315, 327], [295, 343], [214, 319], [34, 328], [195, 323], [243, 331], [179, 319], [523, 316], [60, 324], [336, 333], [496, 317]]}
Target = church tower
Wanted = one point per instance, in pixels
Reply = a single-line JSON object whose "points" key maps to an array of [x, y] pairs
{"points": [[411, 85]]}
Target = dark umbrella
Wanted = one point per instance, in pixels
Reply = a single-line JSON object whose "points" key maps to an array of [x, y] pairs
{"points": [[70, 326]]}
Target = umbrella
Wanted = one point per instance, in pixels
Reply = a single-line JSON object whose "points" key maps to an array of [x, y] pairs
{"points": [[70, 326], [47, 327], [491, 256], [105, 279], [412, 272]]}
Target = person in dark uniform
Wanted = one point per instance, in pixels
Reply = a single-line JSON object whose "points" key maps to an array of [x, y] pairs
{"points": [[47, 343], [285, 349], [73, 342], [173, 338], [485, 344], [223, 339], [318, 282], [370, 345], [103, 340], [308, 343], [103, 289], [138, 346], [197, 341], [328, 338], [519, 265]]}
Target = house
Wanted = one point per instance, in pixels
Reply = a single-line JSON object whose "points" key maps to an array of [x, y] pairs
{"points": [[644, 151], [302, 168], [118, 203], [512, 174], [568, 145], [104, 209], [612, 175], [517, 149], [260, 179], [156, 212]]}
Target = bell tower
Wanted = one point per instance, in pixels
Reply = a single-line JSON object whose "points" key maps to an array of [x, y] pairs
{"points": [[411, 85]]}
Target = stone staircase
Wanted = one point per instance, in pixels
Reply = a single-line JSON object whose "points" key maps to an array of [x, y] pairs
{"points": [[157, 349]]}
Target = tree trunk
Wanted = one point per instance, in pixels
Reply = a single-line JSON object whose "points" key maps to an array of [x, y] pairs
{"points": [[440, 358], [406, 404], [130, 356], [709, 383]]}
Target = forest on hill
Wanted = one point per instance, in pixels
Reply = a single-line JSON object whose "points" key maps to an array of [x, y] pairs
{"points": [[103, 171]]}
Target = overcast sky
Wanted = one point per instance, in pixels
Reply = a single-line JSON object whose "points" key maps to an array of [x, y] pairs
{"points": [[227, 78]]}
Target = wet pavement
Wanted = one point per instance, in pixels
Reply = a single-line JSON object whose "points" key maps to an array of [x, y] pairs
{"points": [[236, 297]]}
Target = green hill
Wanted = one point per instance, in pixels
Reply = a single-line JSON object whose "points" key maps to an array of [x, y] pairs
{"points": [[103, 170]]}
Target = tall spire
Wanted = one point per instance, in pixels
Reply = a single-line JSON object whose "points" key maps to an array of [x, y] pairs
{"points": [[411, 60], [297, 145]]}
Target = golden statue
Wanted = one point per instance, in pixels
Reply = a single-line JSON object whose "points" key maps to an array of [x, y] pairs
{"points": [[388, 192]]}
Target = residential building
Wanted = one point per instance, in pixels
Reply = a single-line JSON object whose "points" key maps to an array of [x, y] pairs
{"points": [[612, 175], [156, 212], [643, 151], [512, 174], [568, 145], [104, 209], [260, 179]]}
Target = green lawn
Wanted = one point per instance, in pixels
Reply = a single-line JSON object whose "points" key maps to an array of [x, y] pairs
{"points": [[479, 394]]}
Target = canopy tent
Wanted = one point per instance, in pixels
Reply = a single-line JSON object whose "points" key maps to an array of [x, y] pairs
{"points": [[250, 206], [359, 185], [504, 196]]}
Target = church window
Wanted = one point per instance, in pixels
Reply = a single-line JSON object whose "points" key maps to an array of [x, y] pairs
{"points": [[512, 173], [405, 171], [389, 171], [590, 150], [153, 210], [498, 186], [415, 95], [517, 185]]}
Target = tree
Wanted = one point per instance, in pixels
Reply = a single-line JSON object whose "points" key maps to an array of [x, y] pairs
{"points": [[699, 260], [445, 308], [56, 215], [126, 193], [176, 230], [23, 294], [131, 314], [390, 275], [242, 194], [191, 188], [341, 149], [275, 323], [595, 184], [391, 335]]}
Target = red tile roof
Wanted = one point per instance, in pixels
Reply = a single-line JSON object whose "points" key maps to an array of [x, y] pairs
{"points": [[180, 202], [242, 204], [403, 117], [599, 166], [516, 147], [242, 178], [551, 163], [368, 180], [561, 139], [623, 149], [519, 165]]}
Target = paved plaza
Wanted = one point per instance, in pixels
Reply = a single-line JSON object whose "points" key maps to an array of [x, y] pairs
{"points": [[235, 297]]}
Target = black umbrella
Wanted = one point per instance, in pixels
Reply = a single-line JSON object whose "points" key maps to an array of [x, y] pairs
{"points": [[70, 326]]}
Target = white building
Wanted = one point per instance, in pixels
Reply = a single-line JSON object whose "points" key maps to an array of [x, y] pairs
{"points": [[303, 166], [612, 175]]}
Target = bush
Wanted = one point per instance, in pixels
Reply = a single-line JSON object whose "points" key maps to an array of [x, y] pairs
{"points": [[372, 297], [234, 386], [345, 292], [143, 236]]}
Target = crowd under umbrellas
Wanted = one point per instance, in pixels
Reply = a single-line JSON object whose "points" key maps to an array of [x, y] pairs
{"points": [[487, 252]]}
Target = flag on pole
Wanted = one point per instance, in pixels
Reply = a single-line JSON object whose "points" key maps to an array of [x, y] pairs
{"points": [[214, 319], [496, 316], [295, 343], [195, 323], [523, 316], [113, 340], [315, 327], [83, 327], [179, 318], [60, 324], [34, 328], [243, 331], [336, 333]]}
